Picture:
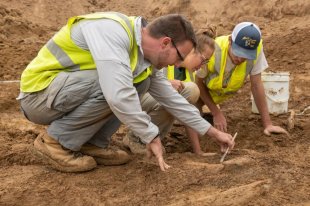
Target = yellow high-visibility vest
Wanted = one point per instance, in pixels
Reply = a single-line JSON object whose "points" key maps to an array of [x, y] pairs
{"points": [[61, 54], [216, 68]]}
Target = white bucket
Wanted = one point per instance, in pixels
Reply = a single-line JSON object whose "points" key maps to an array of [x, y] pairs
{"points": [[277, 92]]}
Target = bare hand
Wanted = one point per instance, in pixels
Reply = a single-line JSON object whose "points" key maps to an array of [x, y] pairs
{"points": [[223, 139], [219, 122], [155, 148], [177, 85], [274, 129]]}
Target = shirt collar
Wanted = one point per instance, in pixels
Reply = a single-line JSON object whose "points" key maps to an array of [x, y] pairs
{"points": [[140, 22], [138, 32]]}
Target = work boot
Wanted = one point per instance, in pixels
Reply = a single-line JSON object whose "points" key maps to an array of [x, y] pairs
{"points": [[106, 156], [61, 158], [134, 144]]}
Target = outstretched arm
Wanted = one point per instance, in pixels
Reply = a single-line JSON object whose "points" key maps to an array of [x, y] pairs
{"points": [[258, 92], [194, 139], [223, 139], [219, 119]]}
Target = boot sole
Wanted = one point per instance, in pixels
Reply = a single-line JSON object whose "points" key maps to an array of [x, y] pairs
{"points": [[55, 165], [108, 162], [117, 160]]}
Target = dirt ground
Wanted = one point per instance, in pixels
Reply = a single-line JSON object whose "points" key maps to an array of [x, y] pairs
{"points": [[261, 170]]}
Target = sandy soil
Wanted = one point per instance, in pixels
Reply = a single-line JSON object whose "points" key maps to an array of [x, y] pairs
{"points": [[260, 170]]}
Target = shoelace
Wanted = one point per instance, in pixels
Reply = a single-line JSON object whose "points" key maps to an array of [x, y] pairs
{"points": [[74, 153], [77, 154]]}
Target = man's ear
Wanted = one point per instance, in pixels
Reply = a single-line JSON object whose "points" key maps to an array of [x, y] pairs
{"points": [[165, 41], [230, 39]]}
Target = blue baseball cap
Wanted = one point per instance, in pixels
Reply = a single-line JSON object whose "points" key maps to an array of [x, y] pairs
{"points": [[245, 40]]}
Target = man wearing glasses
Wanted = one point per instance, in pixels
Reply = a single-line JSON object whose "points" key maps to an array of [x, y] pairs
{"points": [[88, 78], [182, 80]]}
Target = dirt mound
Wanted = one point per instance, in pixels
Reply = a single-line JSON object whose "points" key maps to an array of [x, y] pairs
{"points": [[19, 38], [226, 13]]}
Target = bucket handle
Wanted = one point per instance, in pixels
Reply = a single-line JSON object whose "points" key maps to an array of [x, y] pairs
{"points": [[275, 100]]}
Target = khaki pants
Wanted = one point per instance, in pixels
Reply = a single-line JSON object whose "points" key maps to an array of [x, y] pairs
{"points": [[75, 109]]}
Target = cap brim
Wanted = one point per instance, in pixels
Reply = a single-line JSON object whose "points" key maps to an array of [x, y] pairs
{"points": [[244, 53]]}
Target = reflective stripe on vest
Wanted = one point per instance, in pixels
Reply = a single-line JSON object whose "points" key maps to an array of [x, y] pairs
{"points": [[169, 72], [62, 54], [216, 69]]}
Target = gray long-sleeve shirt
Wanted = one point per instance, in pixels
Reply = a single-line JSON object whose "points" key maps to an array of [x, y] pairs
{"points": [[109, 45]]}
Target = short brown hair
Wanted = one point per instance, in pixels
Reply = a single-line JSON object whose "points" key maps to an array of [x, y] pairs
{"points": [[206, 36], [174, 26]]}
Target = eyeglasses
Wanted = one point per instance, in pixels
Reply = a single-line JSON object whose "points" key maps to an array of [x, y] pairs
{"points": [[204, 60], [175, 46], [178, 52]]}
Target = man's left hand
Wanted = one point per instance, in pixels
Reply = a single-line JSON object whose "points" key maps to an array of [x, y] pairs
{"points": [[177, 85], [155, 148], [274, 129]]}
